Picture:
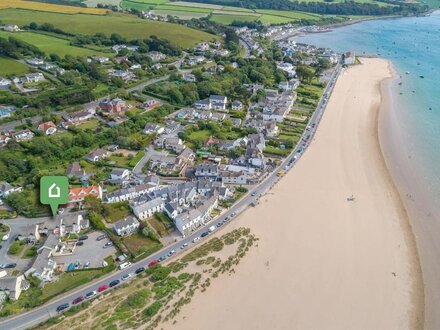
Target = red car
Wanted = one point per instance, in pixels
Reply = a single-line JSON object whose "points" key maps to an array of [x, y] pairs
{"points": [[78, 300], [151, 264], [103, 288]]}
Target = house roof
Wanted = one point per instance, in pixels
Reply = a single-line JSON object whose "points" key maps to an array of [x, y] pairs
{"points": [[45, 126], [218, 98], [75, 169], [129, 221], [148, 205], [4, 186], [75, 193], [118, 171]]}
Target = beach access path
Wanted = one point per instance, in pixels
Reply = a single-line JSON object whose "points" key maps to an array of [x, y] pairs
{"points": [[323, 262]]}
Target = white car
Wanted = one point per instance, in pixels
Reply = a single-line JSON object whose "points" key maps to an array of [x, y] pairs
{"points": [[90, 294], [126, 277], [5, 237], [124, 265], [196, 239]]}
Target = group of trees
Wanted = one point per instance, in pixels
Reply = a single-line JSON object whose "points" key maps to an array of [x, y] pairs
{"points": [[152, 43], [340, 8], [15, 48]]}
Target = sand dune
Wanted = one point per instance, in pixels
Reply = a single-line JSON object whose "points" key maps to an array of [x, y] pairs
{"points": [[323, 262]]}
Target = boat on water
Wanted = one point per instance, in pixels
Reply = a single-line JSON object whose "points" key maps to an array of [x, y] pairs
{"points": [[407, 72], [422, 77]]}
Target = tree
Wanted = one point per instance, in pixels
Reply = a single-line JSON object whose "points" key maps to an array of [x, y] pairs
{"points": [[93, 204], [305, 73]]}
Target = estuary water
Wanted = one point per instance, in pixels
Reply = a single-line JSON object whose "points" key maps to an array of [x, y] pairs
{"points": [[410, 129]]}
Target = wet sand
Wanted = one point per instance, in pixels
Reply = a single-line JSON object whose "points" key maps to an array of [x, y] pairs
{"points": [[323, 262]]}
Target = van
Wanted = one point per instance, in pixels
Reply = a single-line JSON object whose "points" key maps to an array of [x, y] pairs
{"points": [[124, 265]]}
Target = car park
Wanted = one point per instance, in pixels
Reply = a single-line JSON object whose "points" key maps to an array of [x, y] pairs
{"points": [[114, 283], [77, 300], [140, 270], [62, 307], [154, 262], [103, 288], [126, 277], [91, 294]]}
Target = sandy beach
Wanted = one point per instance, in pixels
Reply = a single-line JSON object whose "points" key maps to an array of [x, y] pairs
{"points": [[323, 262]]}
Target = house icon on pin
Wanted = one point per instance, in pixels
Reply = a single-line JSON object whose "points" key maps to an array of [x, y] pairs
{"points": [[54, 191]]}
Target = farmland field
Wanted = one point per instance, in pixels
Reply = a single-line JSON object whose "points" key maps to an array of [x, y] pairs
{"points": [[289, 14], [228, 19], [9, 66], [183, 8], [195, 4], [127, 26], [359, 1], [50, 45], [49, 7], [180, 14]]}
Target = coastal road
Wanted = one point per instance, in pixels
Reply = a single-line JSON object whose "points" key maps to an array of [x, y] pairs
{"points": [[48, 310]]}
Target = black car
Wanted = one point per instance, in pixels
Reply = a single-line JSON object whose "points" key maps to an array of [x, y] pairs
{"points": [[206, 233], [139, 270], [62, 307], [114, 283], [83, 238], [11, 265], [79, 243], [101, 237]]}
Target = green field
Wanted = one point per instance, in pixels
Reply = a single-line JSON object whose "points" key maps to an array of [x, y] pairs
{"points": [[126, 25], [183, 8], [228, 19], [359, 1], [180, 14], [49, 44], [9, 66], [289, 14]]}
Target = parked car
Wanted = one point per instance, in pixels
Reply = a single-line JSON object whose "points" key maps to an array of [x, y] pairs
{"points": [[107, 245], [77, 300], [196, 239], [103, 288], [212, 228], [101, 237], [219, 224], [140, 270], [154, 262], [124, 265], [184, 246], [83, 238], [87, 265], [80, 243], [171, 253], [254, 193], [62, 307], [206, 233], [90, 294], [10, 265], [163, 258], [5, 237], [126, 277], [114, 283]]}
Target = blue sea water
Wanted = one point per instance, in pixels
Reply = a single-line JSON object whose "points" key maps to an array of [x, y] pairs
{"points": [[412, 44]]}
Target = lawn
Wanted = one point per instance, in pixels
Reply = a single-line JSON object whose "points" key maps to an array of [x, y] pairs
{"points": [[38, 6], [228, 19], [49, 44], [71, 280], [29, 253], [4, 229], [183, 8], [288, 13], [200, 136], [116, 211], [133, 162], [90, 124], [276, 151], [374, 2], [127, 26], [119, 160], [9, 66], [139, 245], [161, 223]]}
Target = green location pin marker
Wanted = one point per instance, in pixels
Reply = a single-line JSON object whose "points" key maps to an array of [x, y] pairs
{"points": [[54, 190]]}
